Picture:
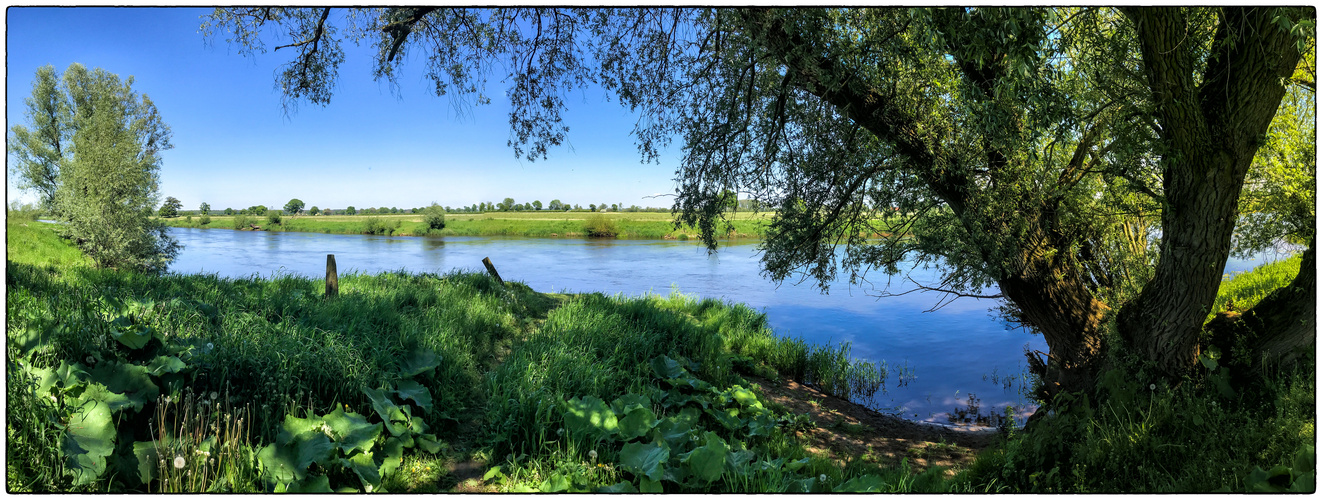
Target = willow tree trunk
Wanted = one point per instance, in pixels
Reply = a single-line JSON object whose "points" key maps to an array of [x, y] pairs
{"points": [[1211, 131]]}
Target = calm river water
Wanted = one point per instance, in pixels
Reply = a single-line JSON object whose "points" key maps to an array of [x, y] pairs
{"points": [[945, 355]]}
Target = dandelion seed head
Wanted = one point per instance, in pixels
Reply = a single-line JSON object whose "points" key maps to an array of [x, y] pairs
{"points": [[592, 455], [179, 462], [214, 395], [1152, 387], [822, 478]]}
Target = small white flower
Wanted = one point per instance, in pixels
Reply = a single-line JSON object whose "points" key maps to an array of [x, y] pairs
{"points": [[90, 359], [214, 395], [559, 432], [179, 462], [822, 478], [210, 346], [592, 455], [1152, 387]]}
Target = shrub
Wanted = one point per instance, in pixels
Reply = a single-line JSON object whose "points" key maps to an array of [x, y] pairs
{"points": [[204, 220], [273, 216], [242, 221], [376, 225], [434, 217], [598, 226]]}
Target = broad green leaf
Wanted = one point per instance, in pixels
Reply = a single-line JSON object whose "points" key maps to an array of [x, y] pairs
{"points": [[115, 401], [429, 443], [761, 425], [408, 389], [620, 487], [293, 427], [1306, 483], [675, 430], [646, 485], [666, 368], [707, 462], [555, 484], [364, 466], [315, 484], [729, 417], [278, 463], [627, 402], [870, 483], [131, 380], [418, 361], [797, 464], [145, 452], [352, 431], [1304, 459], [645, 459], [802, 485], [744, 396], [88, 439], [637, 423], [131, 335], [395, 419], [590, 415], [165, 364], [492, 472], [391, 456], [738, 460]]}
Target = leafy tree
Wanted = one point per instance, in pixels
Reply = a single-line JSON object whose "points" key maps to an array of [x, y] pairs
{"points": [[258, 210], [94, 158], [229, 211], [171, 207], [592, 207], [294, 206], [555, 205], [39, 153], [729, 200], [350, 210], [434, 217], [537, 204], [1086, 162], [314, 210], [506, 205], [273, 216], [615, 207], [204, 208]]}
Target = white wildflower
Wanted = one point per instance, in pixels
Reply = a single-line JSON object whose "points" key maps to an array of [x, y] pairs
{"points": [[592, 455], [822, 478], [1152, 387], [214, 395], [179, 462]]}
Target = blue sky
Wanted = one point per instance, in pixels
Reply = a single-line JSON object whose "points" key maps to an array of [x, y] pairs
{"points": [[234, 146]]}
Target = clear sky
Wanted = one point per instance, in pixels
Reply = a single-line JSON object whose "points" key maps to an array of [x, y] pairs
{"points": [[235, 147]]}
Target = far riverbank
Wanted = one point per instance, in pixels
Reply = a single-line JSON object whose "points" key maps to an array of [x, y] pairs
{"points": [[623, 225]]}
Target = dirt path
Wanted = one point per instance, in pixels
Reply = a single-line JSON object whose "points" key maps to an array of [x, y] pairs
{"points": [[846, 431]]}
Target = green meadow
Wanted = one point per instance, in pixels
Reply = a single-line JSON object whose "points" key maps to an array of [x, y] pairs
{"points": [[542, 224]]}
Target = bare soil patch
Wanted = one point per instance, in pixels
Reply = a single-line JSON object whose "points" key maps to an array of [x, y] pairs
{"points": [[847, 431]]}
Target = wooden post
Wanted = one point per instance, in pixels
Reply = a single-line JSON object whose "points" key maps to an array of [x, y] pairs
{"points": [[332, 278], [492, 269]]}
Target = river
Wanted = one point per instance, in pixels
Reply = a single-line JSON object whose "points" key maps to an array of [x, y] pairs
{"points": [[937, 359]]}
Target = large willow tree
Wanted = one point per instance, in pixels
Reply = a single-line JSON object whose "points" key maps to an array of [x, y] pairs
{"points": [[1088, 163]]}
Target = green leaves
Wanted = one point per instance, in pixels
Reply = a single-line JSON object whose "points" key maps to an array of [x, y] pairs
{"points": [[647, 460], [637, 423], [408, 389], [352, 431], [417, 362], [89, 438], [590, 416], [708, 462]]}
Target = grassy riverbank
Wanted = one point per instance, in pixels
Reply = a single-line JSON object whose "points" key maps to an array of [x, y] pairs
{"points": [[131, 383], [627, 225], [125, 382]]}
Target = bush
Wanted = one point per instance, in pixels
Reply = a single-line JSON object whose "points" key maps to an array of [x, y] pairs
{"points": [[204, 220], [273, 216], [376, 225], [598, 226], [242, 221], [434, 217]]}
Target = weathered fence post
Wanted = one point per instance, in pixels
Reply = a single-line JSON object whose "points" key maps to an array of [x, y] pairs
{"points": [[492, 269], [332, 278]]}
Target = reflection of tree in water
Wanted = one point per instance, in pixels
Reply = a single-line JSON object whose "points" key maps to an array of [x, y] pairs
{"points": [[972, 414]]}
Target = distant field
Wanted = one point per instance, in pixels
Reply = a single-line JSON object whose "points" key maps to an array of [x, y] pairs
{"points": [[542, 224]]}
